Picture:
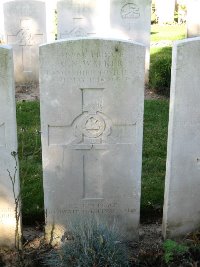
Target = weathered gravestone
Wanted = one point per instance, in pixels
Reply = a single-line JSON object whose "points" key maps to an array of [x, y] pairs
{"points": [[25, 29], [131, 20], [193, 19], [83, 18], [92, 94], [9, 185], [182, 198]]}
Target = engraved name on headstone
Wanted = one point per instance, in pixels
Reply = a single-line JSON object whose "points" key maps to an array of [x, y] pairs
{"points": [[92, 131]]}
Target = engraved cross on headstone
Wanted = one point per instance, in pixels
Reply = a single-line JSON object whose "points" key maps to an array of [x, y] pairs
{"points": [[25, 39], [92, 132], [79, 24]]}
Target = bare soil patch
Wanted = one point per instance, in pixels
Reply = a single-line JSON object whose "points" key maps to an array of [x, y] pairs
{"points": [[148, 247]]}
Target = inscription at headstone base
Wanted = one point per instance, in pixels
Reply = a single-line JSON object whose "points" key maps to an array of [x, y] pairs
{"points": [[92, 131], [25, 32], [8, 144], [181, 213]]}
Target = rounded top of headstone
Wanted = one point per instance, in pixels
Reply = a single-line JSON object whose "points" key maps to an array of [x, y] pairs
{"points": [[74, 39]]}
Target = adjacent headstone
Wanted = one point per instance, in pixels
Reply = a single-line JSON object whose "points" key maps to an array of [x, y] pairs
{"points": [[9, 179], [92, 93], [165, 11], [193, 19], [83, 18], [51, 20], [131, 20], [1, 23], [182, 198], [25, 29]]}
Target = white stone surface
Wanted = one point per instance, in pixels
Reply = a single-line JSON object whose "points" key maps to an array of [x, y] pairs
{"points": [[83, 18], [1, 22], [131, 20], [182, 198], [8, 144], [193, 18], [25, 29], [51, 20], [165, 11], [92, 94]]}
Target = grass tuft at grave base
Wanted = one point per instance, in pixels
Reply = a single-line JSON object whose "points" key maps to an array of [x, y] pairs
{"points": [[154, 158]]}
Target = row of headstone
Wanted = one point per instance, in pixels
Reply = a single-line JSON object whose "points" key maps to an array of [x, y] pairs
{"points": [[92, 143], [25, 27], [165, 11]]}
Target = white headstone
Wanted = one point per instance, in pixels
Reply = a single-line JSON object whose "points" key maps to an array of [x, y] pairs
{"points": [[165, 11], [25, 29], [193, 18], [83, 18], [51, 20], [92, 93], [1, 23], [131, 20], [182, 187], [8, 144]]}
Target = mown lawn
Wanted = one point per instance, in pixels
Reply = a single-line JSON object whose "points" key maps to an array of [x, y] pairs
{"points": [[168, 32], [28, 121], [154, 154]]}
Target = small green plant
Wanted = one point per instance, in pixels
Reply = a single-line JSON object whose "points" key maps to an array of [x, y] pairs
{"points": [[173, 249], [92, 244]]}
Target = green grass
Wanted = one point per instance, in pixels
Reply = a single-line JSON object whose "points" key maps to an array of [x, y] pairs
{"points": [[168, 32], [28, 120], [160, 69], [154, 154], [160, 60]]}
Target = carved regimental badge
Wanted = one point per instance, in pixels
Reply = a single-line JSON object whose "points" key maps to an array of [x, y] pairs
{"points": [[92, 126], [130, 11]]}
